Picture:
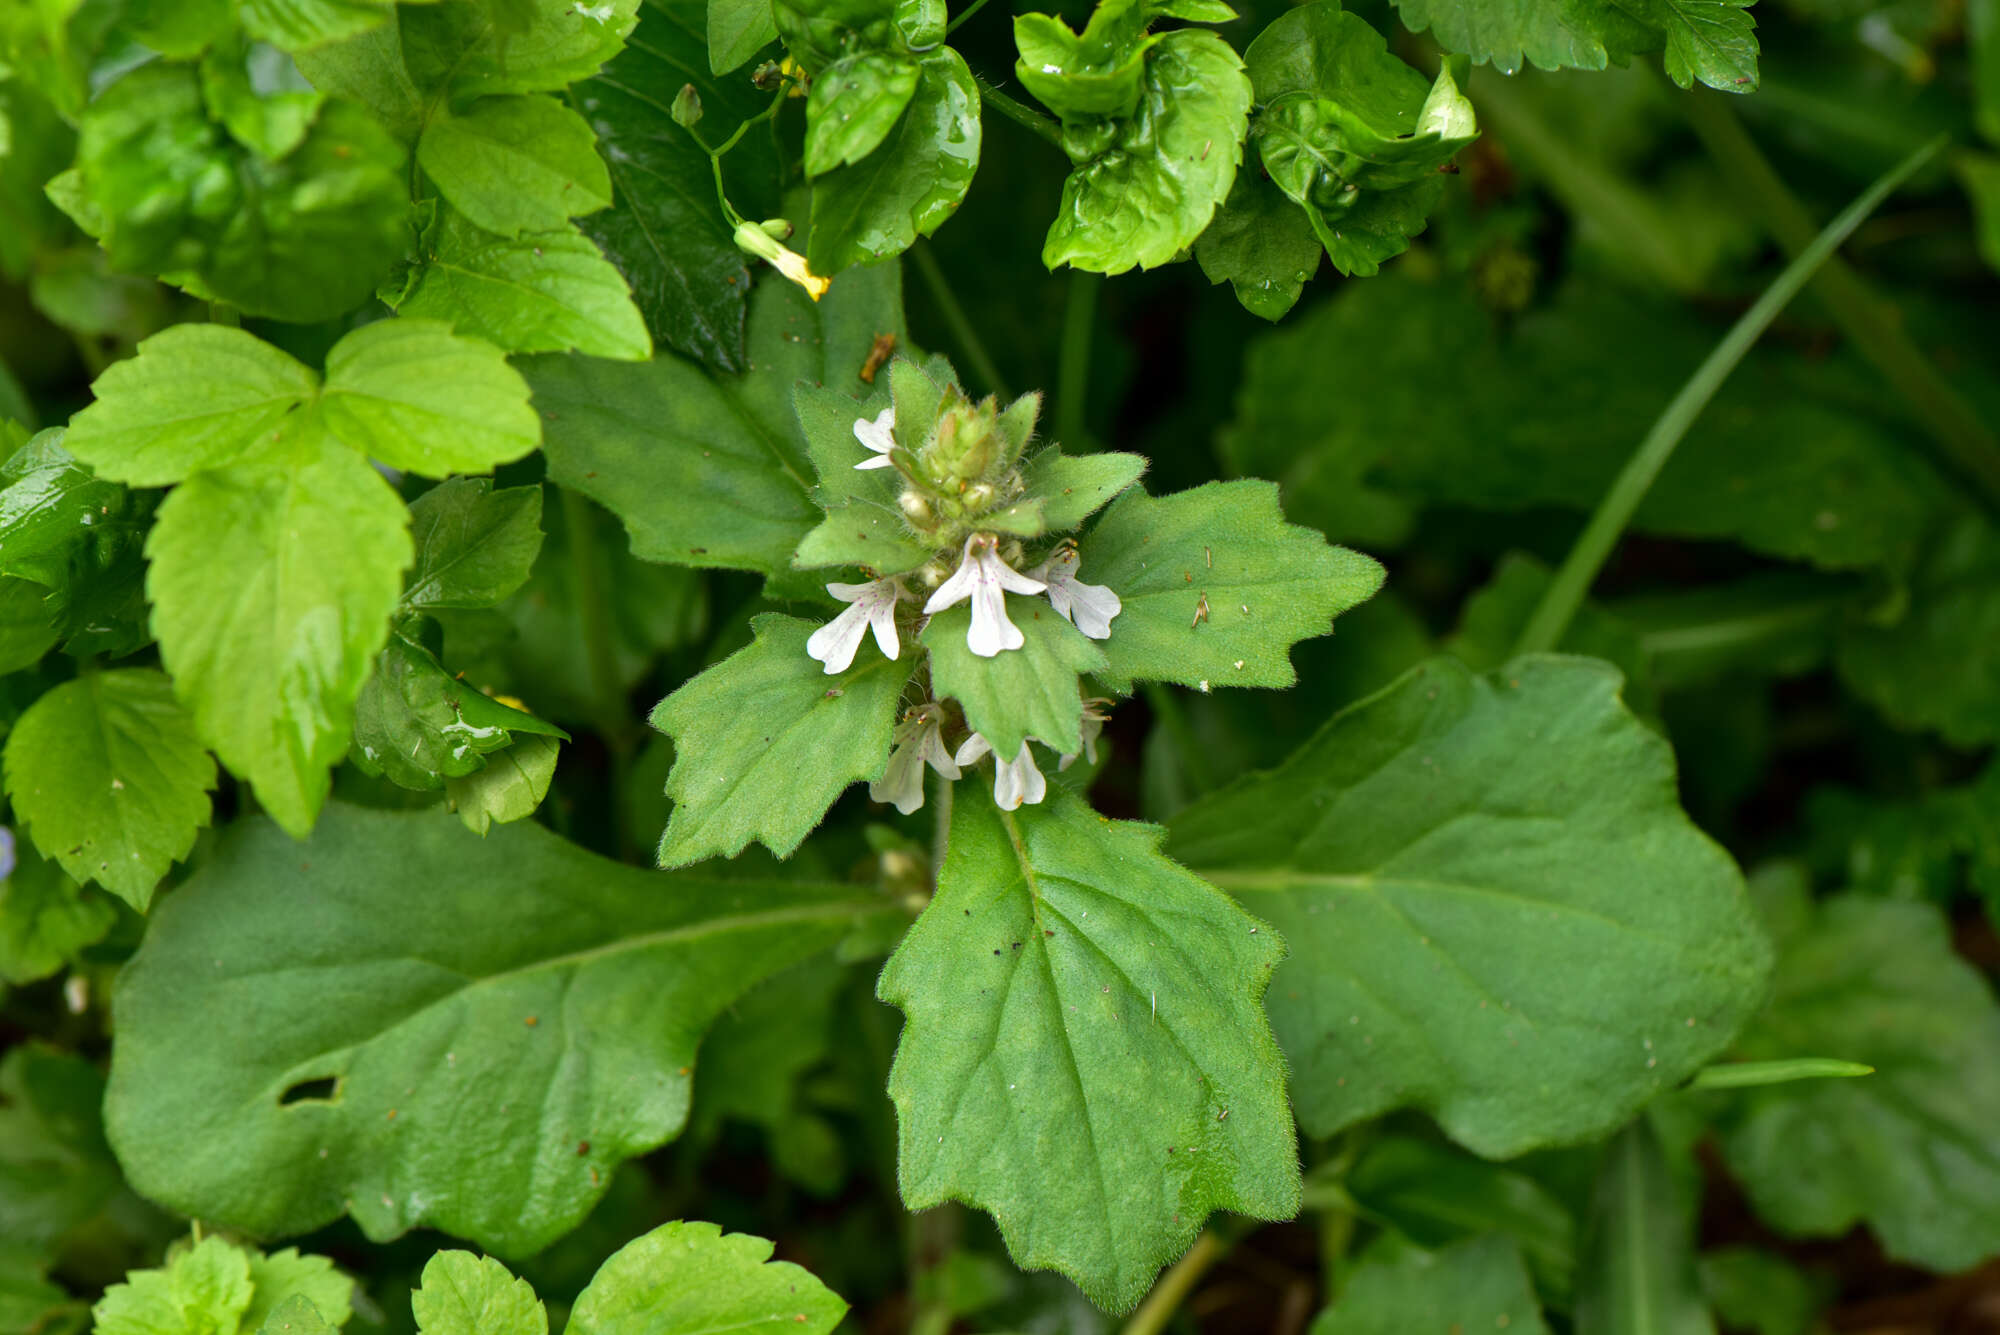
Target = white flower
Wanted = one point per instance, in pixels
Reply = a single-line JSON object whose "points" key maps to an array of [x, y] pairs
{"points": [[1014, 781], [872, 606], [1092, 728], [1088, 607], [876, 436], [917, 741], [982, 576]]}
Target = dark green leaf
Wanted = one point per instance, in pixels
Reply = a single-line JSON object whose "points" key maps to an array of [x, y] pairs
{"points": [[46, 919], [516, 164], [27, 624], [1638, 1274], [1758, 1291], [480, 47], [1262, 245], [738, 30], [474, 545], [1476, 1285], [55, 1169], [55, 515]]}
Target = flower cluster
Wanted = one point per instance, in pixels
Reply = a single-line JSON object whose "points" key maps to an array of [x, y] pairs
{"points": [[963, 469]]}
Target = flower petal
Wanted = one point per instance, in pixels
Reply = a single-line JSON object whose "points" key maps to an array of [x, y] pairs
{"points": [[959, 587], [834, 643], [972, 748]]}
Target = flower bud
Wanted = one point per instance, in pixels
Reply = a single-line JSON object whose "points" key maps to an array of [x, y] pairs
{"points": [[917, 510], [687, 107]]}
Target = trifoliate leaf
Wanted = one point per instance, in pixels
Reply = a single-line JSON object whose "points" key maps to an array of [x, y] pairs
{"points": [[110, 778], [55, 1169], [1877, 982], [906, 188], [765, 741], [559, 993], [853, 105], [1637, 1275], [692, 1278], [643, 438], [272, 583], [1479, 1284], [1021, 693], [204, 1290], [298, 25], [419, 725], [1084, 1054], [508, 787], [665, 230], [1149, 184], [478, 47], [516, 164], [738, 30], [196, 396], [474, 545], [46, 919], [285, 1277], [1528, 961], [1216, 586], [1262, 245], [416, 396], [538, 292], [463, 1294]]}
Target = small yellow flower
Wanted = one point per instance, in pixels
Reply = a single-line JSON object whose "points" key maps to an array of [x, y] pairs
{"points": [[753, 239]]}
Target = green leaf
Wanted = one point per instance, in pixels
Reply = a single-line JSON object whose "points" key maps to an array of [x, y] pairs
{"points": [[30, 1303], [272, 583], [27, 624], [1492, 619], [1144, 195], [55, 514], [1875, 982], [1262, 245], [738, 30], [766, 740], [480, 47], [419, 725], [1937, 665], [271, 122], [1068, 489], [110, 778], [1757, 1291], [691, 1278], [55, 1169], [516, 164], [1479, 1284], [203, 1290], [665, 231], [369, 69], [1745, 1075], [853, 105], [296, 1315], [1435, 1194], [862, 533], [463, 1294], [1528, 961], [1710, 40], [1638, 1273], [1551, 34], [1022, 693], [46, 919], [643, 438], [298, 25], [286, 1277], [1266, 585], [418, 397], [878, 207], [474, 545], [510, 786], [1099, 72], [560, 993], [540, 292], [1084, 1054], [197, 396]]}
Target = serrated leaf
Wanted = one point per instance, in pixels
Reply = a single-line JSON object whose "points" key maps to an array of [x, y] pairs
{"points": [[418, 397], [55, 1169], [1877, 982], [46, 919], [692, 1278], [369, 69], [508, 787], [1710, 40], [475, 48], [643, 438], [738, 30], [1499, 955], [1068, 489], [286, 1277], [1083, 1053], [474, 545], [1550, 34], [1637, 1275], [272, 583], [665, 231], [1144, 197], [1021, 693], [298, 25], [463, 1294], [202, 1291], [516, 163], [296, 1315], [110, 778], [853, 105], [560, 993], [1479, 1284], [196, 396], [1262, 245], [906, 188], [1224, 546], [765, 741], [540, 292], [862, 533]]}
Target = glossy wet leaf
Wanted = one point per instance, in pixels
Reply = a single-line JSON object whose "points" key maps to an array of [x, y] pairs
{"points": [[417, 396], [110, 779], [1549, 34], [1479, 1284], [420, 725], [1528, 962], [272, 582], [516, 164], [56, 515], [560, 992], [643, 438], [689, 1278], [1084, 1055], [1638, 1275], [853, 105], [1262, 245], [463, 1294], [1265, 584], [474, 545], [765, 740], [509, 787], [1708, 40], [1021, 693]]}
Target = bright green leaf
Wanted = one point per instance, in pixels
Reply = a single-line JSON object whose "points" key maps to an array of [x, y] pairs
{"points": [[296, 1315], [862, 533], [368, 69], [474, 545], [463, 1294], [480, 47], [1068, 489], [1638, 1273], [282, 1277], [1784, 1070], [1084, 1054], [1262, 245], [1476, 1285], [417, 396], [203, 1290], [297, 25], [1216, 586], [766, 740], [738, 30], [559, 993], [1530, 961], [1710, 40], [853, 105], [508, 788], [516, 164], [692, 1278], [110, 778], [1022, 693]]}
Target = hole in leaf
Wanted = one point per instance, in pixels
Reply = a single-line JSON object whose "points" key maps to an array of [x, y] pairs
{"points": [[324, 1089]]}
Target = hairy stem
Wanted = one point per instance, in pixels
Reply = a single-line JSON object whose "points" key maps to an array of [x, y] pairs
{"points": [[963, 332], [1593, 547]]}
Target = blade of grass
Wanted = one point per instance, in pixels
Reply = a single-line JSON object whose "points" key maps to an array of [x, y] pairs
{"points": [[1607, 523]]}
